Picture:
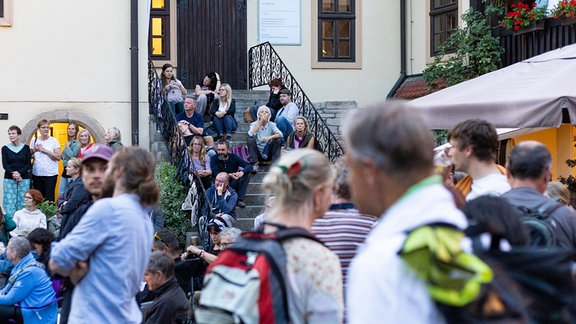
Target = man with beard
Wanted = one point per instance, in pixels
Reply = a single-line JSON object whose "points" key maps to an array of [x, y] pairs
{"points": [[238, 169], [94, 165], [107, 252]]}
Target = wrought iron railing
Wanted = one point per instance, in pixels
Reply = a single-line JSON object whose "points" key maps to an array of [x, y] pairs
{"points": [[264, 64], [178, 151]]}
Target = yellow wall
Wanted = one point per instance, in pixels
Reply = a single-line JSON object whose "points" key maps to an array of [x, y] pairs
{"points": [[560, 142]]}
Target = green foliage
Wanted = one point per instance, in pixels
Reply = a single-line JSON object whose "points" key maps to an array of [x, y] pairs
{"points": [[470, 51], [440, 136], [48, 208], [172, 195]]}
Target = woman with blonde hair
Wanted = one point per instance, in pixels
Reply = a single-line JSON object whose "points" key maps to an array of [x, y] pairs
{"points": [[84, 140], [200, 161], [301, 137], [302, 182], [222, 111]]}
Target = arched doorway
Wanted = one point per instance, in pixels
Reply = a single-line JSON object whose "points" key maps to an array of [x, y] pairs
{"points": [[59, 121]]}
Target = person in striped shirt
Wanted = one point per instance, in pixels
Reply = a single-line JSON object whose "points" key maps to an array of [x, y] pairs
{"points": [[343, 229]]}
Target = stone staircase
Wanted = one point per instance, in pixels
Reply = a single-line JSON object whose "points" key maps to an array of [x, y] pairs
{"points": [[255, 196]]}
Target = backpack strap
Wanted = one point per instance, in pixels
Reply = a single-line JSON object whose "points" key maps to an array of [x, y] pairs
{"points": [[547, 208]]}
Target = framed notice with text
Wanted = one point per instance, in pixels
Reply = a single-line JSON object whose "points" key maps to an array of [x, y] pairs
{"points": [[279, 22]]}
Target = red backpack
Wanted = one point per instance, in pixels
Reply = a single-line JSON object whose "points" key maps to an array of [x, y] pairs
{"points": [[247, 282]]}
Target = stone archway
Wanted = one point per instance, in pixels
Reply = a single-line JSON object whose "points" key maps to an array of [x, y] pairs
{"points": [[64, 116]]}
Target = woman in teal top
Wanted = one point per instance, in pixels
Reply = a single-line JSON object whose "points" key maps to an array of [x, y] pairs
{"points": [[71, 150], [16, 159]]}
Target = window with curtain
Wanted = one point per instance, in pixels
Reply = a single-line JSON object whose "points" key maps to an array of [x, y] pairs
{"points": [[443, 22], [336, 31]]}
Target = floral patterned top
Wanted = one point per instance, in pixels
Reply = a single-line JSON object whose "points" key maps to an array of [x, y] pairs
{"points": [[315, 282]]}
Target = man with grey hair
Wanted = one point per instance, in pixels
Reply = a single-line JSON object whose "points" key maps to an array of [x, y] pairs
{"points": [[265, 139], [229, 236], [191, 119], [529, 172], [170, 299], [390, 154], [29, 286]]}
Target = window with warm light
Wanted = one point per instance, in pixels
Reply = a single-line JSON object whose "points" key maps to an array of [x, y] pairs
{"points": [[336, 31], [443, 22], [160, 30], [5, 12]]}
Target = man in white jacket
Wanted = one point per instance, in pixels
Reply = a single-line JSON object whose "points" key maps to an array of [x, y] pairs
{"points": [[390, 152]]}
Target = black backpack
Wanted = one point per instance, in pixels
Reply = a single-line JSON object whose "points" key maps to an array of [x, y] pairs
{"points": [[247, 282], [541, 226]]}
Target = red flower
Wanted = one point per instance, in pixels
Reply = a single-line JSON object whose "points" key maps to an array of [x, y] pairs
{"points": [[516, 27], [570, 15], [513, 5], [573, 3], [517, 21], [531, 15], [294, 169]]}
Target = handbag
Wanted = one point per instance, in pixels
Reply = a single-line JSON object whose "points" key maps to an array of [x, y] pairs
{"points": [[191, 201]]}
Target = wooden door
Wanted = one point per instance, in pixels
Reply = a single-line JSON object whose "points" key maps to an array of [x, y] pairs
{"points": [[212, 37]]}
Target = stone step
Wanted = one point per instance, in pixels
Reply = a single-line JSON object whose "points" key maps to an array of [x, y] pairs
{"points": [[245, 224]]}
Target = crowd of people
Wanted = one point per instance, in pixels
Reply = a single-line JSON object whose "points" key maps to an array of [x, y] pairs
{"points": [[111, 259]]}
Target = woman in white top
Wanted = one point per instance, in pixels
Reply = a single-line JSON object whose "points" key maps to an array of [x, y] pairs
{"points": [[29, 218], [46, 152], [222, 111]]}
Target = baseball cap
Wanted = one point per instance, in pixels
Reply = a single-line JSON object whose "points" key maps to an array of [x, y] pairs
{"points": [[286, 91], [98, 151]]}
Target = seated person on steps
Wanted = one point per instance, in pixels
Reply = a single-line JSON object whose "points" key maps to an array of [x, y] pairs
{"points": [[286, 115], [301, 137], [222, 199], [193, 120], [223, 111], [206, 91], [265, 139], [238, 170], [251, 113]]}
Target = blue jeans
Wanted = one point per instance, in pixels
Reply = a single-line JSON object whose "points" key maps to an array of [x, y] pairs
{"points": [[284, 126], [226, 124]]}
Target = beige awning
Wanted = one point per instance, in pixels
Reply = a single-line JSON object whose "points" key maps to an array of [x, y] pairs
{"points": [[528, 94]]}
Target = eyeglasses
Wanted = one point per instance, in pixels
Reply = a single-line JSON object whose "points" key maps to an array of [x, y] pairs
{"points": [[225, 244]]}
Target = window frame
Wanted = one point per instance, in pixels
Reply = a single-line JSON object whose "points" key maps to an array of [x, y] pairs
{"points": [[355, 59], [165, 15], [6, 20], [337, 17], [435, 12]]}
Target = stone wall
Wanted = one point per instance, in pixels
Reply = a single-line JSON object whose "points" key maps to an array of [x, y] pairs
{"points": [[334, 113]]}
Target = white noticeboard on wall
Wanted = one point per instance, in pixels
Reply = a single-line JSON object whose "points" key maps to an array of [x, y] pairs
{"points": [[279, 22]]}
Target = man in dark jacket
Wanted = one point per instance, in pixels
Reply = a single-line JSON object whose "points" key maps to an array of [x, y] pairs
{"points": [[238, 170], [170, 301], [529, 171]]}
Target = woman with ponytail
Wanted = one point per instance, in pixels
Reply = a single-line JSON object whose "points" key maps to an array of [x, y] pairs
{"points": [[302, 182]]}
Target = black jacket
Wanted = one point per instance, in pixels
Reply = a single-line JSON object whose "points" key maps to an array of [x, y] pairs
{"points": [[170, 300]]}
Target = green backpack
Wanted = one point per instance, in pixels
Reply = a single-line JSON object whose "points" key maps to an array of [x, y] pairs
{"points": [[464, 287]]}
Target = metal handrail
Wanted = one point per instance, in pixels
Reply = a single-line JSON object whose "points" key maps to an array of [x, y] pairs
{"points": [[166, 125], [264, 65]]}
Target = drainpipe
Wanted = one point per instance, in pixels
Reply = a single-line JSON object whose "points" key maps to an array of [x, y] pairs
{"points": [[134, 116], [402, 76]]}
